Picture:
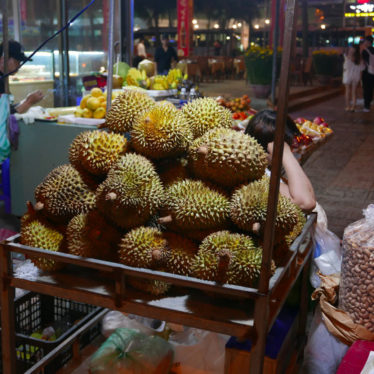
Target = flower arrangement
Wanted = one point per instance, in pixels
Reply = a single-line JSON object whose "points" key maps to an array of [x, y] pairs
{"points": [[326, 62], [258, 61]]}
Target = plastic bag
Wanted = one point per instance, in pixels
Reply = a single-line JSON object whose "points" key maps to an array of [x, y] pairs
{"points": [[198, 351], [130, 351], [327, 250], [114, 320], [356, 294], [323, 352]]}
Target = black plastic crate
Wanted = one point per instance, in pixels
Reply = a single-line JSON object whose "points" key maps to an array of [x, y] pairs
{"points": [[33, 313]]}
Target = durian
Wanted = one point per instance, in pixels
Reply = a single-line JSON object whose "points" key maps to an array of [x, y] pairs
{"points": [[37, 232], [205, 114], [171, 171], [96, 151], [63, 194], [192, 207], [161, 132], [132, 192], [225, 257], [248, 209], [227, 157], [90, 235], [301, 220], [180, 254], [125, 110], [142, 247]]}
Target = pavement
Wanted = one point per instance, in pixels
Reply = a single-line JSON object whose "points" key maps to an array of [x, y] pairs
{"points": [[341, 171]]}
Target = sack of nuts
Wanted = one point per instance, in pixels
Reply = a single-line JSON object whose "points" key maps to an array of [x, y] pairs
{"points": [[356, 294]]}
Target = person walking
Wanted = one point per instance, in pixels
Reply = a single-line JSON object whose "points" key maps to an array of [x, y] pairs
{"points": [[368, 73], [352, 73]]}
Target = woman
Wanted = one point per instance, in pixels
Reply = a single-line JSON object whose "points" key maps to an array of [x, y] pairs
{"points": [[298, 189], [352, 72]]}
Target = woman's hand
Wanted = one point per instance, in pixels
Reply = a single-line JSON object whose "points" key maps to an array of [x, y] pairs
{"points": [[34, 97]]}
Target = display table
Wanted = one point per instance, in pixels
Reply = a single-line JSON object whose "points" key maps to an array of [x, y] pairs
{"points": [[42, 147]]}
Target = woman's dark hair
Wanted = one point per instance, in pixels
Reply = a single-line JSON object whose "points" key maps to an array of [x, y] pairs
{"points": [[356, 54], [262, 128]]}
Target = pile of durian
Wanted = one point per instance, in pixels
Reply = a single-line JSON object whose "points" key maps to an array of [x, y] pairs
{"points": [[165, 189]]}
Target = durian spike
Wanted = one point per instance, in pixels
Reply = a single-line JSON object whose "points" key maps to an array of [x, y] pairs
{"points": [[111, 196], [38, 206], [102, 126], [147, 120], [224, 256], [256, 227], [166, 219], [203, 150]]}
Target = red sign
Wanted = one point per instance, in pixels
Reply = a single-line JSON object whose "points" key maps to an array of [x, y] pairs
{"points": [[185, 13]]}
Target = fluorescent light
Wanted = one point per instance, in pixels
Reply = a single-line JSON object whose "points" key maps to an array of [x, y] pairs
{"points": [[194, 21], [216, 26], [267, 21], [257, 27], [323, 26]]}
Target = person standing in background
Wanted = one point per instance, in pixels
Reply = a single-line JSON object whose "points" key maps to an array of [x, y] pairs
{"points": [[16, 56], [368, 73], [165, 56], [352, 72]]}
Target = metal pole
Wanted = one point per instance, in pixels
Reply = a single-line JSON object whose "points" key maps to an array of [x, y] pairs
{"points": [[275, 51], [127, 30], [17, 20], [305, 28], [5, 46], [261, 313], [109, 81]]}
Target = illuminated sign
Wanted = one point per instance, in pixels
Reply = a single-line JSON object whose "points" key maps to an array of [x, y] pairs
{"points": [[360, 10]]}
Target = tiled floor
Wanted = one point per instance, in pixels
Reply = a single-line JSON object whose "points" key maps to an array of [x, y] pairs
{"points": [[342, 171]]}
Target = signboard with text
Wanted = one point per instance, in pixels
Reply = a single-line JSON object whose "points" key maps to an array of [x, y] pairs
{"points": [[185, 14]]}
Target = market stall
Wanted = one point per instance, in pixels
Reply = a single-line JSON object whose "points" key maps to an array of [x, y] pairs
{"points": [[245, 309]]}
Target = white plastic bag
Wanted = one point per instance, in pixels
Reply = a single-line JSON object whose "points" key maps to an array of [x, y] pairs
{"points": [[198, 351], [327, 253], [323, 352]]}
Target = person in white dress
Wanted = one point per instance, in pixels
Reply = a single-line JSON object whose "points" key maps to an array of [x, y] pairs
{"points": [[352, 72]]}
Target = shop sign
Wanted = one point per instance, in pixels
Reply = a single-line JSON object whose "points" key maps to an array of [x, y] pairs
{"points": [[360, 10], [185, 14]]}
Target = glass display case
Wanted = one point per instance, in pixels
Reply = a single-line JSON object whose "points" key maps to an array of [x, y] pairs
{"points": [[43, 73]]}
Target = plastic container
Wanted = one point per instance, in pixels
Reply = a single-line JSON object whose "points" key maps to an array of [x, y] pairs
{"points": [[36, 312], [356, 294]]}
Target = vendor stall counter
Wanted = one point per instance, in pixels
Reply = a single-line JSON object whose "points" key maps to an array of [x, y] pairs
{"points": [[42, 146]]}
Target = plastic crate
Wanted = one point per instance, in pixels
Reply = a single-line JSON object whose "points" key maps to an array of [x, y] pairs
{"points": [[34, 312]]}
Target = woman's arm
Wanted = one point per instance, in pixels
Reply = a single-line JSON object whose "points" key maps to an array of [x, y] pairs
{"points": [[299, 188]]}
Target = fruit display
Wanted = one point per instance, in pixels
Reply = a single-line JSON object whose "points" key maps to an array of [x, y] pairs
{"points": [[171, 190], [139, 78], [93, 105], [315, 129], [236, 105]]}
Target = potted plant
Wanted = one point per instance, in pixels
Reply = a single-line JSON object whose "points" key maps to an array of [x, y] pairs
{"points": [[259, 67], [326, 65]]}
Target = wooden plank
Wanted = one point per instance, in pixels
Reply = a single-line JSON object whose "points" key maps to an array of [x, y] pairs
{"points": [[197, 311]]}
